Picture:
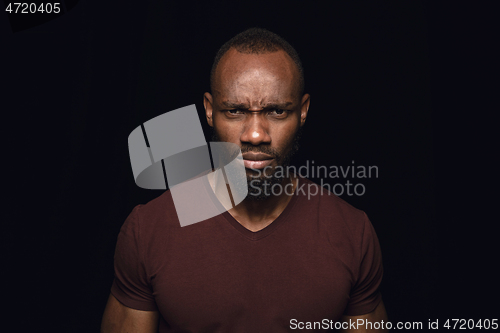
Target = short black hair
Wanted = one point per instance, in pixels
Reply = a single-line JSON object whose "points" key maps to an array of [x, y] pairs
{"points": [[258, 41]]}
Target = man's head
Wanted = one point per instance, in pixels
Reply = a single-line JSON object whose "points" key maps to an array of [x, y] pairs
{"points": [[258, 41], [257, 102]]}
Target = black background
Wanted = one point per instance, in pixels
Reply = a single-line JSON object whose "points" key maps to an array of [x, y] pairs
{"points": [[403, 85]]}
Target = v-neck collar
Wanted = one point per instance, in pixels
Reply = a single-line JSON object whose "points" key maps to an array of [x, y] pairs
{"points": [[254, 235]]}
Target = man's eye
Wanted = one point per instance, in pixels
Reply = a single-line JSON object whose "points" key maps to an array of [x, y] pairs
{"points": [[234, 112], [278, 112]]}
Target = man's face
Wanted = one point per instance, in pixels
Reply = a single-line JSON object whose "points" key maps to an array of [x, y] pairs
{"points": [[256, 104]]}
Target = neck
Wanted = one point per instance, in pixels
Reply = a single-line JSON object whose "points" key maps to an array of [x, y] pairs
{"points": [[257, 214]]}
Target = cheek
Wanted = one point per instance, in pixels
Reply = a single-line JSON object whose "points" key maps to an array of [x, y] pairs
{"points": [[284, 135], [226, 132]]}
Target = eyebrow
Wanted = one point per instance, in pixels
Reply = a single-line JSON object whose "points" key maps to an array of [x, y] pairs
{"points": [[244, 106]]}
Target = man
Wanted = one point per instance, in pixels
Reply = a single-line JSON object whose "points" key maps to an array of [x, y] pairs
{"points": [[280, 260]]}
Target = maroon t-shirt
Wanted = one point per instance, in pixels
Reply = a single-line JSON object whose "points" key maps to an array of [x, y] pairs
{"points": [[320, 259]]}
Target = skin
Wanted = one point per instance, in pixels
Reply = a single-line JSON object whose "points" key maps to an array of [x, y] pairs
{"points": [[255, 103], [377, 315], [118, 318]]}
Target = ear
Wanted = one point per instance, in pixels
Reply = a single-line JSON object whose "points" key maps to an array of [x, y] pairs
{"points": [[208, 104], [306, 99]]}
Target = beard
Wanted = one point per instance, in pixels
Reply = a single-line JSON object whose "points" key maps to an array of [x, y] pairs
{"points": [[260, 184]]}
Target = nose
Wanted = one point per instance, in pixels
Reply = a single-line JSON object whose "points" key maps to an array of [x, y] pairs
{"points": [[256, 130]]}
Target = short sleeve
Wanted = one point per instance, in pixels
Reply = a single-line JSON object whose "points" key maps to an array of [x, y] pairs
{"points": [[131, 283], [365, 294]]}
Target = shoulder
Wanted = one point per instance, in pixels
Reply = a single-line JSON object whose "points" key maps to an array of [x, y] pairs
{"points": [[158, 213], [328, 203], [334, 214]]}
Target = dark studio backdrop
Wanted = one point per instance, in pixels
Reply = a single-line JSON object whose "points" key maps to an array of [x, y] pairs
{"points": [[77, 86]]}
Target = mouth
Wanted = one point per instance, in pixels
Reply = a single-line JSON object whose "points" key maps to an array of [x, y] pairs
{"points": [[257, 161], [256, 164]]}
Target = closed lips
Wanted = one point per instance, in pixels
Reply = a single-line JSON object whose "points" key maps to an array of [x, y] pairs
{"points": [[256, 161]]}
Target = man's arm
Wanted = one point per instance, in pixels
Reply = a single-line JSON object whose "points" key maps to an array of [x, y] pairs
{"points": [[376, 316], [118, 318]]}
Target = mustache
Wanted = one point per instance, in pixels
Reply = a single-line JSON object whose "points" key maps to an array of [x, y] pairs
{"points": [[261, 149], [264, 149]]}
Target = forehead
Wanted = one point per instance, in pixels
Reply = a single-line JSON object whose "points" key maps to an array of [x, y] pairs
{"points": [[272, 73]]}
